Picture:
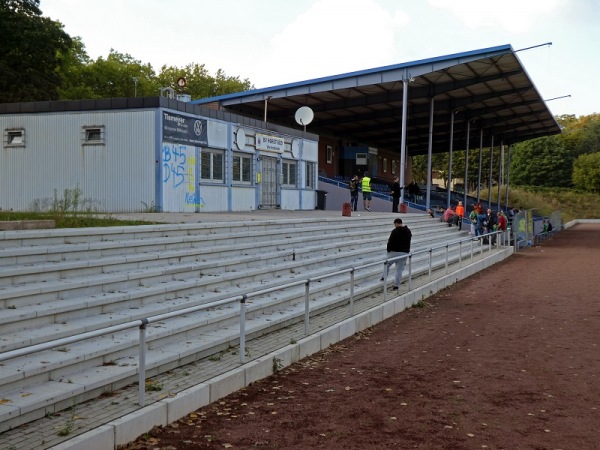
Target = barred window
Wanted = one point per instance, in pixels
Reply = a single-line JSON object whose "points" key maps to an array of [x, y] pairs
{"points": [[310, 175], [211, 165], [242, 168], [289, 170]]}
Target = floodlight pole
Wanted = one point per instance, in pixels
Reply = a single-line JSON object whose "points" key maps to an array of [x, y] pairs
{"points": [[403, 140]]}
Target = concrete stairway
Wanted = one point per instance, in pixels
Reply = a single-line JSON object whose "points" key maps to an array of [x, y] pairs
{"points": [[60, 283]]}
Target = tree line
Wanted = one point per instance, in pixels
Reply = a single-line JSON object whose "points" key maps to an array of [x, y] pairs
{"points": [[568, 160], [40, 61]]}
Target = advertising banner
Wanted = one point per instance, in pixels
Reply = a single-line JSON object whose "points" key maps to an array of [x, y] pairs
{"points": [[184, 129]]}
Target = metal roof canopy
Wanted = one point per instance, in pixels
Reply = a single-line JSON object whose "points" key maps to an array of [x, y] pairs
{"points": [[488, 87]]}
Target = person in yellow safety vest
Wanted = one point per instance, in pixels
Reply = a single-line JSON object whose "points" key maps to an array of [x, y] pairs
{"points": [[366, 190]]}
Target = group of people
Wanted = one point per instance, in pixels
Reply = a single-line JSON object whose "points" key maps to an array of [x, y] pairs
{"points": [[482, 222], [365, 184], [486, 222]]}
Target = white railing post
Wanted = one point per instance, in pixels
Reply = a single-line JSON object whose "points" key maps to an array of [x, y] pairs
{"points": [[352, 292], [430, 262], [409, 272], [306, 306], [446, 259], [385, 277], [142, 365], [460, 254], [243, 329]]}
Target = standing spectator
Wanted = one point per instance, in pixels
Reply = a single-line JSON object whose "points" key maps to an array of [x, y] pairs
{"points": [[481, 224], [502, 221], [395, 193], [398, 245], [413, 190], [490, 224], [460, 213], [473, 219], [353, 186], [366, 190]]}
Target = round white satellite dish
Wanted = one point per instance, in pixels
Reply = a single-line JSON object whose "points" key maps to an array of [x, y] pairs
{"points": [[240, 139], [304, 115]]}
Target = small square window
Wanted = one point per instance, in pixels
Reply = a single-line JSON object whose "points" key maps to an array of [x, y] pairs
{"points": [[14, 138], [93, 135]]}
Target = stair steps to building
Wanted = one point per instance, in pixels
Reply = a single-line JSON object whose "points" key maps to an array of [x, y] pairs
{"points": [[51, 380]]}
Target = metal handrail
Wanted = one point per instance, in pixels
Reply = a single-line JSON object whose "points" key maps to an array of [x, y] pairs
{"points": [[242, 298]]}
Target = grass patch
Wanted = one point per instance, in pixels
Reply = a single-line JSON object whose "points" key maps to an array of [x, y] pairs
{"points": [[80, 220], [572, 204]]}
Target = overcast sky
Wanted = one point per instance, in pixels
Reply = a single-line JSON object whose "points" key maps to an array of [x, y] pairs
{"points": [[272, 42]]}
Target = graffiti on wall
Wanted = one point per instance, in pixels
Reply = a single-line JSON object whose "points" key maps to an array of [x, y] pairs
{"points": [[179, 178]]}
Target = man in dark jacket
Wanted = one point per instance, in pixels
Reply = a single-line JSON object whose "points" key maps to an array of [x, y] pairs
{"points": [[398, 245]]}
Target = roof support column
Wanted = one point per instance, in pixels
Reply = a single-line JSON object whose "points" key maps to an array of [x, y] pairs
{"points": [[403, 140], [507, 175], [429, 154], [491, 168], [480, 162], [452, 113], [465, 183], [500, 171]]}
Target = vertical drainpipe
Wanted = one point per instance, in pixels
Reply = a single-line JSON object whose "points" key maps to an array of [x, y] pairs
{"points": [[501, 170], [466, 164], [300, 172], [491, 167], [450, 157], [403, 140], [229, 171], [158, 177], [429, 153], [480, 162]]}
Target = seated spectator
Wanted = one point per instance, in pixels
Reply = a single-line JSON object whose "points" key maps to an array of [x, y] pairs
{"points": [[450, 217]]}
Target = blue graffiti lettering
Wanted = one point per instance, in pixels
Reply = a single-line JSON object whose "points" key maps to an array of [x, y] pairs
{"points": [[194, 199]]}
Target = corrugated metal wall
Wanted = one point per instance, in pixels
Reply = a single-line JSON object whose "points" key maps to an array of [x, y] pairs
{"points": [[118, 176]]}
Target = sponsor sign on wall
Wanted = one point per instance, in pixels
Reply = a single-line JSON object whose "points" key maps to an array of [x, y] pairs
{"points": [[184, 129], [269, 143]]}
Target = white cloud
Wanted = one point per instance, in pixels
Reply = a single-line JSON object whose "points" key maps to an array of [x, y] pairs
{"points": [[335, 36], [513, 16]]}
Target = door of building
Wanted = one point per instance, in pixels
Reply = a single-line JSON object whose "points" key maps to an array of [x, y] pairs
{"points": [[268, 184]]}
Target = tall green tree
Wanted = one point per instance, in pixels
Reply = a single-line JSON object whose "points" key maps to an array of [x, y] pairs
{"points": [[30, 52], [541, 162], [586, 172], [199, 82]]}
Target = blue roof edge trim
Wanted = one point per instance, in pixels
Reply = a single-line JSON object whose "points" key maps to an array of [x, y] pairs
{"points": [[483, 52]]}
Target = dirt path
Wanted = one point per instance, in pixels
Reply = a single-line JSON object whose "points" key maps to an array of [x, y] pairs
{"points": [[508, 359]]}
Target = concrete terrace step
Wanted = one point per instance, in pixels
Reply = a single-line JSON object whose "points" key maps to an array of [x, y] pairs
{"points": [[165, 350], [62, 328], [49, 309], [85, 236], [218, 278], [46, 271]]}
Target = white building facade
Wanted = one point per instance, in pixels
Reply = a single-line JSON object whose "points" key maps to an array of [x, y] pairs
{"points": [[151, 154]]}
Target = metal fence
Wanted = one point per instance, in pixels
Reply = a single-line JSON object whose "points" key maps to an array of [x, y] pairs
{"points": [[474, 244]]}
